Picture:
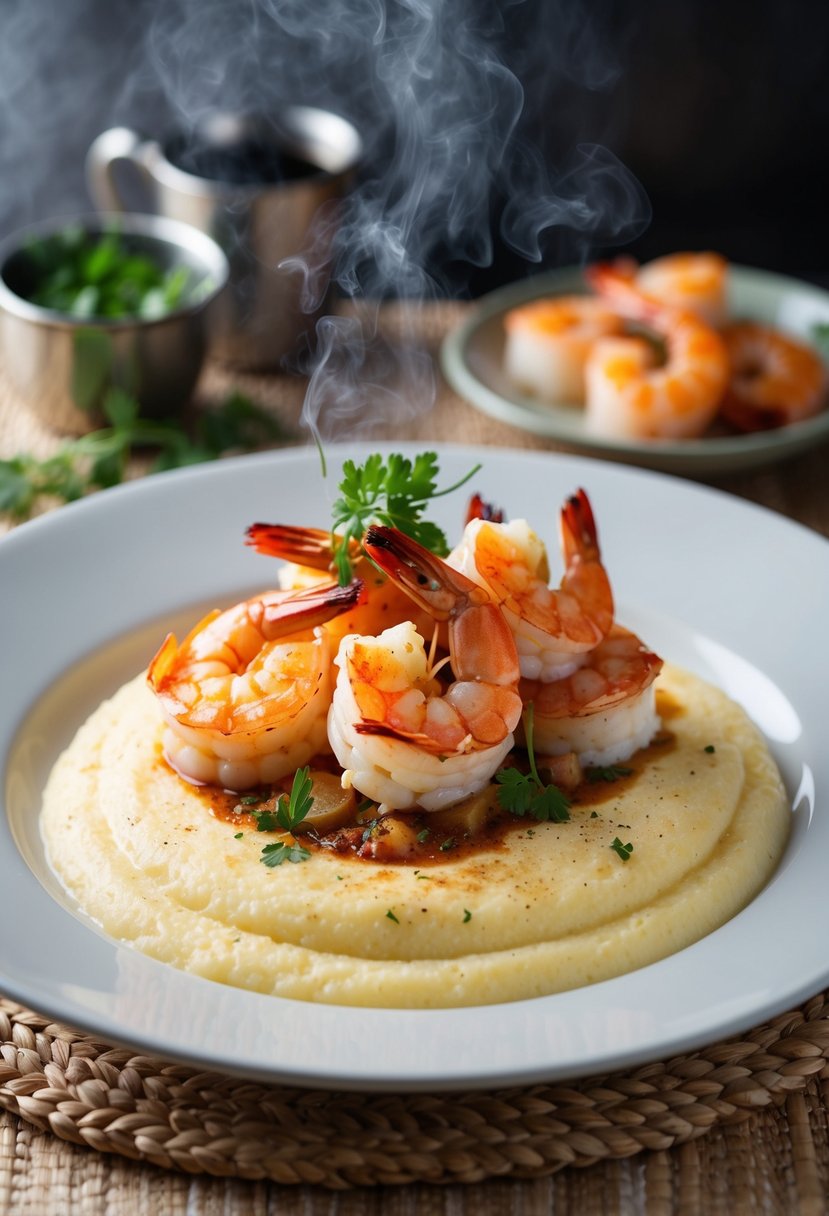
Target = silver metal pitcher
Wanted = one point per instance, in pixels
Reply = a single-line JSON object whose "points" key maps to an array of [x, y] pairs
{"points": [[260, 187]]}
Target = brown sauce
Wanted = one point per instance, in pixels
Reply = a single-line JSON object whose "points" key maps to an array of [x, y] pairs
{"points": [[428, 839]]}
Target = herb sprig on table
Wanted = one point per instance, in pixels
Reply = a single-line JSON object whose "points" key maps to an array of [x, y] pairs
{"points": [[394, 492], [99, 459]]}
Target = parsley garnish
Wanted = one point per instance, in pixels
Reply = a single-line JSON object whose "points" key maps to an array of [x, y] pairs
{"points": [[624, 850], [710, 748], [291, 810], [607, 772], [394, 493], [423, 835], [467, 916], [525, 793], [99, 459], [274, 854], [448, 844], [391, 916], [288, 814]]}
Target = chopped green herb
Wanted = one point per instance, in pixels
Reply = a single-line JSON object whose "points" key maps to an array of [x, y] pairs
{"points": [[448, 844], [238, 836], [467, 916], [394, 493], [266, 821], [423, 835], [391, 916], [274, 854], [89, 276], [525, 793], [250, 799], [624, 850], [607, 772], [594, 814], [710, 748]]}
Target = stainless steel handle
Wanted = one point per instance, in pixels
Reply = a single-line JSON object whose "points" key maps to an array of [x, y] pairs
{"points": [[118, 143]]}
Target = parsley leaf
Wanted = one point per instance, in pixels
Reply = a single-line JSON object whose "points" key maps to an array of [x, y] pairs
{"points": [[525, 793], [392, 492], [286, 815], [291, 811], [274, 854]]}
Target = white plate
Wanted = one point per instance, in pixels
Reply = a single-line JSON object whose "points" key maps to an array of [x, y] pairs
{"points": [[729, 590], [472, 361]]}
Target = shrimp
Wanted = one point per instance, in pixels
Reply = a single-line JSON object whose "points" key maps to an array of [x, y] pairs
{"points": [[402, 739], [604, 711], [246, 693], [692, 282], [309, 554], [775, 380], [548, 342], [554, 628], [628, 396]]}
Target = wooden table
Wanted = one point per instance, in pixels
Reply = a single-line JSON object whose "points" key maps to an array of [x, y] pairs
{"points": [[776, 1162]]}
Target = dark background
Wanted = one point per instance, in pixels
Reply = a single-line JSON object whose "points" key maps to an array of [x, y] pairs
{"points": [[720, 112]]}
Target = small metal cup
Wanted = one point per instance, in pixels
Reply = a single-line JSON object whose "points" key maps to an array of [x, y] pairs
{"points": [[64, 366], [258, 223]]}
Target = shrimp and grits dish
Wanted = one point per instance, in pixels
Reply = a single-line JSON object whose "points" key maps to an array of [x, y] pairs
{"points": [[445, 777], [653, 354]]}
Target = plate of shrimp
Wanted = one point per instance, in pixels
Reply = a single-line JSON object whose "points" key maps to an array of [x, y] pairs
{"points": [[676, 592], [687, 364]]}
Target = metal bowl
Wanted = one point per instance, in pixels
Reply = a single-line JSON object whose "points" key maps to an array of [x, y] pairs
{"points": [[64, 366]]}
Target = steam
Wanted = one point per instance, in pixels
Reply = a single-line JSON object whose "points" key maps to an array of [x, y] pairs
{"points": [[478, 118]]}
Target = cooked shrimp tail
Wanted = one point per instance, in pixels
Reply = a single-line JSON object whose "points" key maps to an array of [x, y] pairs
{"points": [[616, 282], [554, 627], [480, 508], [309, 547]]}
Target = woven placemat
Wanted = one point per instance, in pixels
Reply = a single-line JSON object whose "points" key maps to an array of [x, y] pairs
{"points": [[112, 1100]]}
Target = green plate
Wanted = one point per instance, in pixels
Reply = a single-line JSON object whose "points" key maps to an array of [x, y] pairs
{"points": [[472, 361]]}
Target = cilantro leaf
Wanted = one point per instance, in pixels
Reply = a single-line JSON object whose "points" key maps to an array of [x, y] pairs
{"points": [[525, 793], [394, 493]]}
